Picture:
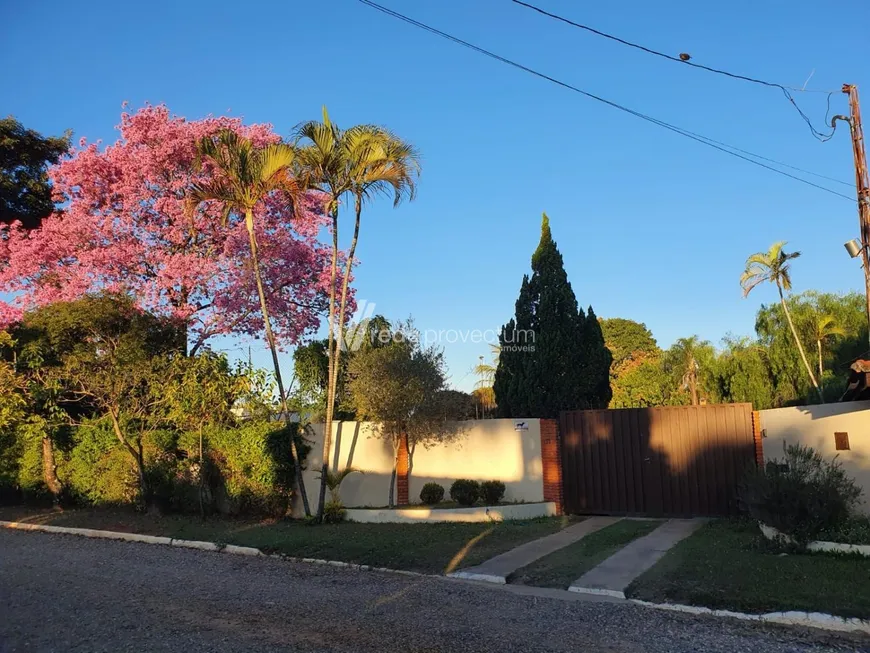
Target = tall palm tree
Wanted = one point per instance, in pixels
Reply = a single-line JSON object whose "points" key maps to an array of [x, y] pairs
{"points": [[244, 175], [773, 266], [824, 327], [483, 388], [361, 162]]}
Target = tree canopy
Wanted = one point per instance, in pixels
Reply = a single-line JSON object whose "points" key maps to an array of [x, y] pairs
{"points": [[553, 355], [25, 191]]}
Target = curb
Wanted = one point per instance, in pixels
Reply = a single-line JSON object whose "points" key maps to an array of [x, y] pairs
{"points": [[201, 546], [617, 594], [486, 578], [820, 620]]}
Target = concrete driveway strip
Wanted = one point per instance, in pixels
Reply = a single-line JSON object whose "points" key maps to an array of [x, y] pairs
{"points": [[497, 569], [67, 594], [612, 576]]}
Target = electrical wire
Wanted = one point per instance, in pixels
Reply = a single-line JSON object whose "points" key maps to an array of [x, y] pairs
{"points": [[786, 90], [723, 147]]}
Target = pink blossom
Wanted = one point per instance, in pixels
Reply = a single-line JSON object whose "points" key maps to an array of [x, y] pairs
{"points": [[122, 226]]}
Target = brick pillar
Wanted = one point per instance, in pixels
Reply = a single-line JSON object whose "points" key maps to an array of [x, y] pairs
{"points": [[402, 473], [551, 458], [757, 435]]}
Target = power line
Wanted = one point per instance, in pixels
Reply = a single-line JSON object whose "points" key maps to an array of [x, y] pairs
{"points": [[696, 137], [786, 90]]}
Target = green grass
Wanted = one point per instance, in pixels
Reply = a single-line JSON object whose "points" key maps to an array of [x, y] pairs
{"points": [[562, 567], [728, 565], [427, 548]]}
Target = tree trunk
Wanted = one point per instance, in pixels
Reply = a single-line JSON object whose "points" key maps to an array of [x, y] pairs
{"points": [[821, 367], [693, 385], [270, 339], [799, 345], [338, 342], [392, 502], [201, 477], [49, 470], [136, 454], [330, 360]]}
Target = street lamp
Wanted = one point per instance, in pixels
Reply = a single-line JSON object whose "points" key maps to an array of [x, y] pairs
{"points": [[853, 247], [856, 249]]}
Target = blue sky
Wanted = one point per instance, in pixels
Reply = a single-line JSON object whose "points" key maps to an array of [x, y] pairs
{"points": [[652, 226]]}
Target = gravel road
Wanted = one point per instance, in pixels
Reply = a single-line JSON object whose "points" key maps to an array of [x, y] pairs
{"points": [[69, 594]]}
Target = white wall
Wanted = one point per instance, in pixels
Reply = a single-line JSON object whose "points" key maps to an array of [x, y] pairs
{"points": [[815, 426], [489, 449], [483, 450]]}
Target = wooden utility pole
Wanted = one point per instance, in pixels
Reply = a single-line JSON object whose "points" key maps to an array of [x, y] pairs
{"points": [[862, 182]]}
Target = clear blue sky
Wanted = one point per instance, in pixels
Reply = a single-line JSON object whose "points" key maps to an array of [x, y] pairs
{"points": [[652, 226]]}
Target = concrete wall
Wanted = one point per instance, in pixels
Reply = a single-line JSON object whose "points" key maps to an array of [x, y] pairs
{"points": [[483, 450], [815, 426]]}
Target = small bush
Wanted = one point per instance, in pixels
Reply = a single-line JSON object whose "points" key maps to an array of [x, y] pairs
{"points": [[801, 496], [492, 492], [432, 493], [334, 512], [465, 491]]}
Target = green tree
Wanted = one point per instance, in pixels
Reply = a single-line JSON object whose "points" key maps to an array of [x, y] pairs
{"points": [[687, 361], [100, 355], [199, 392], [627, 339], [401, 387], [553, 355], [248, 174], [824, 328], [742, 373], [773, 266], [361, 162], [484, 395], [25, 191]]}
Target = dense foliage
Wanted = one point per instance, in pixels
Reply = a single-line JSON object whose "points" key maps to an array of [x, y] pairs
{"points": [[465, 491], [25, 191], [766, 371], [553, 355], [492, 492], [432, 493], [801, 495], [117, 414]]}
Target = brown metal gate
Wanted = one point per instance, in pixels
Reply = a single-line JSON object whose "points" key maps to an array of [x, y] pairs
{"points": [[674, 461]]}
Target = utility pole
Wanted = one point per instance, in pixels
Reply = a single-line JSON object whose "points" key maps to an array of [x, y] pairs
{"points": [[862, 181]]}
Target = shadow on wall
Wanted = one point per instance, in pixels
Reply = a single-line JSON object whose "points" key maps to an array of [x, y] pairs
{"points": [[817, 427], [481, 450], [676, 461]]}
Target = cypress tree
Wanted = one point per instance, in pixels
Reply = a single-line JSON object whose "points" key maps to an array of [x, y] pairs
{"points": [[553, 355]]}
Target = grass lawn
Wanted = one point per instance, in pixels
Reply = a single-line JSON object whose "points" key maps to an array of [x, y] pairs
{"points": [[727, 565], [562, 567], [427, 548]]}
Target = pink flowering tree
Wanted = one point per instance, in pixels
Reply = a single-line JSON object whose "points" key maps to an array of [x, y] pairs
{"points": [[122, 227]]}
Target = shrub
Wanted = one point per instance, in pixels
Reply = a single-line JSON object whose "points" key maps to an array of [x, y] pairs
{"points": [[334, 512], [801, 496], [492, 492], [432, 493], [465, 491]]}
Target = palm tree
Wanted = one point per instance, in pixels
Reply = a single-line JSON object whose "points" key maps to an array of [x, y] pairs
{"points": [[361, 162], [483, 388], [682, 358], [244, 175], [824, 327], [773, 266]]}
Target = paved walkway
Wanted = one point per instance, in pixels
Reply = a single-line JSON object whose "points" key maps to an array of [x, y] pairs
{"points": [[613, 575], [497, 569]]}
